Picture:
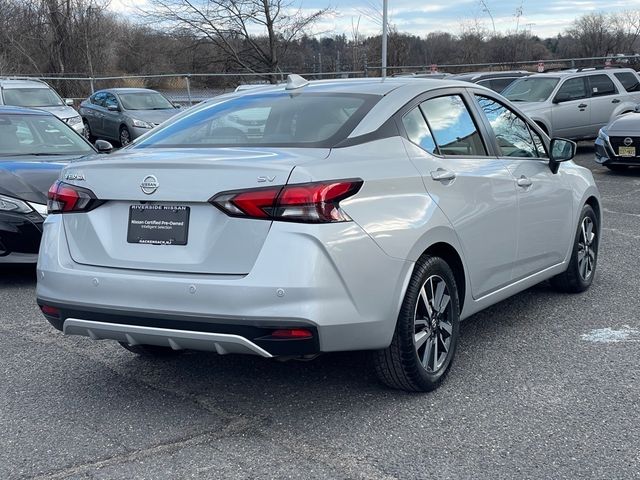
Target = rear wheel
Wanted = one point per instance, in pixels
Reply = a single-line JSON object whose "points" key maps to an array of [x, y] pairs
{"points": [[584, 256], [427, 331], [150, 350]]}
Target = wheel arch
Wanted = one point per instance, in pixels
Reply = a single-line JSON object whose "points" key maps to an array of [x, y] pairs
{"points": [[450, 255], [594, 203]]}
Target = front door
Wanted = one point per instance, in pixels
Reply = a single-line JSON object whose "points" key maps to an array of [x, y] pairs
{"points": [[571, 116], [474, 190], [545, 200]]}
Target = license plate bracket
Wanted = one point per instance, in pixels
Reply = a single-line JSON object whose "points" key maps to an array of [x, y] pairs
{"points": [[626, 151], [158, 224]]}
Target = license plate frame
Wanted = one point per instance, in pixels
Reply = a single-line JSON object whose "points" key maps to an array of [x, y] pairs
{"points": [[626, 151], [152, 224]]}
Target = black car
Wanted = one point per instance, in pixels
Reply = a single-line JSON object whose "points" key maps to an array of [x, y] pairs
{"points": [[496, 81], [34, 146]]}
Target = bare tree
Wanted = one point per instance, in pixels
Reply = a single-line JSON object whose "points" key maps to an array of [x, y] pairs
{"points": [[253, 34]]}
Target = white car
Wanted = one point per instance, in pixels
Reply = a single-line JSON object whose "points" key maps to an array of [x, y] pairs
{"points": [[363, 215], [34, 93], [576, 104]]}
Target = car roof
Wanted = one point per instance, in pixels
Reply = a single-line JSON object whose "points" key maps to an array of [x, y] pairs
{"points": [[10, 110], [371, 86], [125, 90], [582, 73], [8, 82], [491, 75]]}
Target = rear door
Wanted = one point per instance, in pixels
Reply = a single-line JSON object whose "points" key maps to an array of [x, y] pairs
{"points": [[545, 200], [473, 188], [605, 98], [94, 113], [112, 118], [571, 115]]}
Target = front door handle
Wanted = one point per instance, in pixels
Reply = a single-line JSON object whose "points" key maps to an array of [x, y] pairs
{"points": [[442, 175], [524, 182], [616, 100], [583, 105]]}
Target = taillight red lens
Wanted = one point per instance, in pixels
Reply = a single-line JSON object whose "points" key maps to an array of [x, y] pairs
{"points": [[50, 311], [292, 333], [317, 202], [66, 198]]}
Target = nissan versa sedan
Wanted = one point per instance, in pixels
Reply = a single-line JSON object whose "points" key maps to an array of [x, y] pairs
{"points": [[366, 215], [618, 144], [34, 146], [124, 114]]}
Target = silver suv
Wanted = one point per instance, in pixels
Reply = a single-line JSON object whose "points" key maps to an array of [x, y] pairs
{"points": [[34, 93], [576, 104]]}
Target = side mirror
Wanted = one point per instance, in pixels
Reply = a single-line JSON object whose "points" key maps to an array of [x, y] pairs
{"points": [[103, 146], [561, 150], [561, 97], [636, 109], [68, 102], [113, 108]]}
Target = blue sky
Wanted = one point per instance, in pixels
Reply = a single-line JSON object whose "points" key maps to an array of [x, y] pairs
{"points": [[542, 17]]}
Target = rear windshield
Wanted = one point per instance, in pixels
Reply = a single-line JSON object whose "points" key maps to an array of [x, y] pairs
{"points": [[279, 119], [532, 89], [31, 97]]}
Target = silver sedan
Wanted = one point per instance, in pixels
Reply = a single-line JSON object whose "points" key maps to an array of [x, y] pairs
{"points": [[319, 217]]}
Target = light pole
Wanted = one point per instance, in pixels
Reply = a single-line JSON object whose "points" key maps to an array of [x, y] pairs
{"points": [[384, 38]]}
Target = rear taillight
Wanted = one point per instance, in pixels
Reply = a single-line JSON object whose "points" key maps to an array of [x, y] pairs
{"points": [[66, 198], [317, 202]]}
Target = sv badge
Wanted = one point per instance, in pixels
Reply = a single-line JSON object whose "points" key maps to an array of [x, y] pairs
{"points": [[264, 179]]}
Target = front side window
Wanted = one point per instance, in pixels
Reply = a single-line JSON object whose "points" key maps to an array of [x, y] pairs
{"points": [[512, 133], [572, 89], [110, 101], [144, 101], [278, 119], [418, 130], [531, 89], [98, 99], [31, 97], [629, 81], [22, 135], [453, 127], [601, 85]]}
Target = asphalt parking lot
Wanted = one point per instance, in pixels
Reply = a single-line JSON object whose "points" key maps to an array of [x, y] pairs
{"points": [[545, 385]]}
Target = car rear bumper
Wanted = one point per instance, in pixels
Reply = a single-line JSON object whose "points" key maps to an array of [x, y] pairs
{"points": [[331, 279]]}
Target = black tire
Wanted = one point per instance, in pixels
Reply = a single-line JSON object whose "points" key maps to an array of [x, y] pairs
{"points": [[87, 132], [401, 364], [125, 136], [574, 280], [617, 168], [150, 350]]}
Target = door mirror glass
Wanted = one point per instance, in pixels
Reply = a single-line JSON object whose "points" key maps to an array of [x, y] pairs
{"points": [[103, 146], [562, 150]]}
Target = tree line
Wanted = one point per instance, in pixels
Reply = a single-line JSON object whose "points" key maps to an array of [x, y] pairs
{"points": [[85, 37]]}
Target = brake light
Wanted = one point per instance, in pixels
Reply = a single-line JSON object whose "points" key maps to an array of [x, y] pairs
{"points": [[317, 202], [66, 198], [50, 311], [292, 333]]}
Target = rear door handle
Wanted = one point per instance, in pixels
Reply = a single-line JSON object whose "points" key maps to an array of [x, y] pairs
{"points": [[442, 175], [616, 100], [524, 182], [583, 105]]}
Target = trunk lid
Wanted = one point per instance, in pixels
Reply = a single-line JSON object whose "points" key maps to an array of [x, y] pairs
{"points": [[215, 242]]}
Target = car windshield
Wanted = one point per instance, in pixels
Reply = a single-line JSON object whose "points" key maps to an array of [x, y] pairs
{"points": [[531, 89], [31, 97], [280, 119], [23, 135], [144, 101]]}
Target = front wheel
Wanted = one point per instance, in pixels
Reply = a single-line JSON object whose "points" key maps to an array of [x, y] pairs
{"points": [[427, 331], [125, 136], [584, 256], [86, 133]]}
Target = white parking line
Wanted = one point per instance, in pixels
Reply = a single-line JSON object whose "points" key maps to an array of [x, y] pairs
{"points": [[609, 335]]}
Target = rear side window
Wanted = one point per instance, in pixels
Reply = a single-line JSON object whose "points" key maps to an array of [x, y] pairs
{"points": [[418, 130], [601, 85], [629, 81], [280, 119], [573, 89], [453, 127]]}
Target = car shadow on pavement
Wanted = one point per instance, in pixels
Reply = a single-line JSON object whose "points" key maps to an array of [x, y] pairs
{"points": [[17, 275]]}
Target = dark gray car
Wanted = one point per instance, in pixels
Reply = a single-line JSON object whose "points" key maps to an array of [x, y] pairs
{"points": [[124, 114]]}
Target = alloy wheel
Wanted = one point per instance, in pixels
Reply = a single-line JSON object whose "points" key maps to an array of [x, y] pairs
{"points": [[587, 249], [433, 326], [125, 138]]}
